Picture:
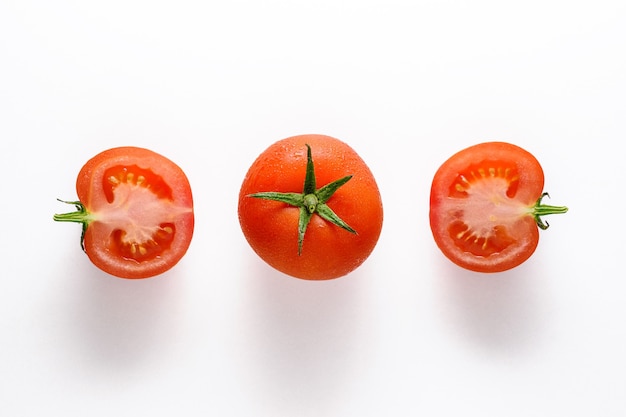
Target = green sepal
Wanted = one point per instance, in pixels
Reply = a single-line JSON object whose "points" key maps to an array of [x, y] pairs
{"points": [[293, 199], [324, 193], [309, 180], [310, 201], [303, 223], [326, 213], [81, 215]]}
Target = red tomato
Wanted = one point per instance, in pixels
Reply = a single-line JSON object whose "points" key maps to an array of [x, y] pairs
{"points": [[137, 212], [485, 206], [302, 230]]}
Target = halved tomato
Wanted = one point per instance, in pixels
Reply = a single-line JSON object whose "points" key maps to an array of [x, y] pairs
{"points": [[486, 206], [136, 209]]}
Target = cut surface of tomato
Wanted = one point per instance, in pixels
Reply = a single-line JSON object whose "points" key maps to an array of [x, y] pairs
{"points": [[485, 205], [137, 212]]}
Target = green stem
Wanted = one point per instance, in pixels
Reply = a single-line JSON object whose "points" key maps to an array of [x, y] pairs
{"points": [[539, 210], [81, 215], [311, 201]]}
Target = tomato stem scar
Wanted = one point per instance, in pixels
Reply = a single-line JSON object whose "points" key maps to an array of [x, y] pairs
{"points": [[539, 210], [81, 215], [310, 201]]}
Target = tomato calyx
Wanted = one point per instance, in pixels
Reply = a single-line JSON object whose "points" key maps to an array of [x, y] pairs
{"points": [[539, 210], [311, 201], [81, 215]]}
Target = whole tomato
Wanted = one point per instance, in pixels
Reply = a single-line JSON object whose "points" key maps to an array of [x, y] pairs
{"points": [[310, 207]]}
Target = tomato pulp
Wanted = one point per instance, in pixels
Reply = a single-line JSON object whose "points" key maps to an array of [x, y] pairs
{"points": [[485, 206], [327, 238], [136, 209]]}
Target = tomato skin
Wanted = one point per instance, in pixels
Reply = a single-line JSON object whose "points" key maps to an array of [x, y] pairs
{"points": [[271, 227], [172, 209], [486, 224]]}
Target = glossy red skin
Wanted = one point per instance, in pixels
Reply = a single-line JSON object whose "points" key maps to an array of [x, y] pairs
{"points": [[271, 227], [449, 208], [177, 209]]}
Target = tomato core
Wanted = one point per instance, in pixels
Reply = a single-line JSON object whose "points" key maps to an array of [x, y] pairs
{"points": [[489, 188], [132, 192]]}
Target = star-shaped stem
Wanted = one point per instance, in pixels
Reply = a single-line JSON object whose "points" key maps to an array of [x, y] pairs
{"points": [[311, 201]]}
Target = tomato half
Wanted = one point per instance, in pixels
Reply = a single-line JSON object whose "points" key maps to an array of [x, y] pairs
{"points": [[136, 209], [485, 206], [306, 240]]}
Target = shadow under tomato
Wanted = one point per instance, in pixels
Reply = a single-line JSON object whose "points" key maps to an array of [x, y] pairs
{"points": [[500, 312], [304, 336], [120, 323]]}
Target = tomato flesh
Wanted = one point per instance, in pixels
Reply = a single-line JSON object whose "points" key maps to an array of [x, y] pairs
{"points": [[480, 206], [134, 175], [144, 249]]}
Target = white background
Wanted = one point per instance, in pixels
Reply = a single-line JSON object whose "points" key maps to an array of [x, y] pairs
{"points": [[406, 83]]}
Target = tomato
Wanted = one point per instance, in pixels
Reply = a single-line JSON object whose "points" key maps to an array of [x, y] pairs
{"points": [[486, 206], [302, 230], [136, 209]]}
